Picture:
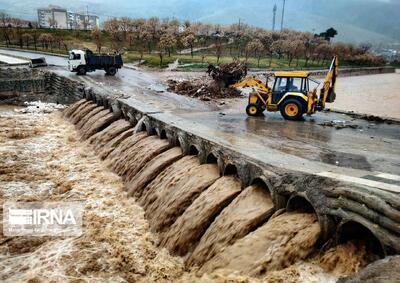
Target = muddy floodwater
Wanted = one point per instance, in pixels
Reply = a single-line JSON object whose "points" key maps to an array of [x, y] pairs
{"points": [[169, 219]]}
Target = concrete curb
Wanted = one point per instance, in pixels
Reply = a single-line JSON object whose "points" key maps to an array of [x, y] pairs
{"points": [[33, 51]]}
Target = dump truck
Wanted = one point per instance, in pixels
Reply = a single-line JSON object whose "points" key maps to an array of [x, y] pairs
{"points": [[83, 61], [291, 93]]}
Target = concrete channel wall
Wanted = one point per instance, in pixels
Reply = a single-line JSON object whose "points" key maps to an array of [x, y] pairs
{"points": [[346, 72], [343, 209], [18, 85]]}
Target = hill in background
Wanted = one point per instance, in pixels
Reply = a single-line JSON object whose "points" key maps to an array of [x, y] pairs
{"points": [[357, 21]]}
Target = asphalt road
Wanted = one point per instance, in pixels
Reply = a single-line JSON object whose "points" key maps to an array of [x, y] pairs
{"points": [[367, 153]]}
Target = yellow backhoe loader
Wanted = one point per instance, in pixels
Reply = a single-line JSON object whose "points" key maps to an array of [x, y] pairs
{"points": [[291, 93]]}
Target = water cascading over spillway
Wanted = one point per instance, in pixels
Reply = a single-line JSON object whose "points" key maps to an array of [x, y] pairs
{"points": [[246, 212], [100, 139], [97, 123], [280, 242], [84, 111], [123, 146], [134, 158], [171, 192], [86, 118], [151, 170], [191, 225], [210, 220], [114, 143]]}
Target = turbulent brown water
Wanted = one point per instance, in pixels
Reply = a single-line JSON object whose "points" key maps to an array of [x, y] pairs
{"points": [[123, 146], [42, 159], [224, 232], [86, 118], [191, 225], [101, 138], [133, 159], [151, 170], [84, 111], [112, 144], [177, 191], [251, 208], [97, 123], [277, 244]]}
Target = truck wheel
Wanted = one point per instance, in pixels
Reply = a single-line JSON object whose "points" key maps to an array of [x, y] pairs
{"points": [[81, 71], [291, 109], [253, 110], [111, 71]]}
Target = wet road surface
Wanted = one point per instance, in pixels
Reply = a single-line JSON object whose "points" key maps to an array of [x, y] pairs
{"points": [[368, 149]]}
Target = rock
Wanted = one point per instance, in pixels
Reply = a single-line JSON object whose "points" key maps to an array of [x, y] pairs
{"points": [[383, 271]]}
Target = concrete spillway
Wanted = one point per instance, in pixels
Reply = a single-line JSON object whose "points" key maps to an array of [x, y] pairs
{"points": [[217, 207], [208, 219]]}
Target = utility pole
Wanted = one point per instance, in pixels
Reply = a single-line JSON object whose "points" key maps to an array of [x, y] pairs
{"points": [[283, 14], [274, 18]]}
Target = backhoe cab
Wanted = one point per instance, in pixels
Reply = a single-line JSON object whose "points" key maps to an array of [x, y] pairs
{"points": [[290, 93]]}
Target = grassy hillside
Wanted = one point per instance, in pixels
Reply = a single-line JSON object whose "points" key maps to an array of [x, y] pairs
{"points": [[357, 20]]}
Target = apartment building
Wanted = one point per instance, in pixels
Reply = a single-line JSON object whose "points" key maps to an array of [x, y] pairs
{"points": [[59, 18]]}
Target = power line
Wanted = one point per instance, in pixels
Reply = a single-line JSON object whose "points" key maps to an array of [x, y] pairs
{"points": [[283, 13]]}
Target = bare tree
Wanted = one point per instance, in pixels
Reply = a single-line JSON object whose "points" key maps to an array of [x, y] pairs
{"points": [[131, 38], [153, 23], [35, 36], [256, 47], [167, 42], [124, 26], [47, 40], [278, 47], [27, 38], [6, 30], [97, 38], [146, 38], [219, 48], [188, 41]]}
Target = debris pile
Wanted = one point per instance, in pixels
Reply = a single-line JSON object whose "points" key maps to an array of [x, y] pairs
{"points": [[227, 73], [218, 87], [204, 89]]}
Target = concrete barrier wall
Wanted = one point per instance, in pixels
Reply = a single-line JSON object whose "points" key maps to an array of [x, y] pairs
{"points": [[18, 85], [347, 72], [344, 72]]}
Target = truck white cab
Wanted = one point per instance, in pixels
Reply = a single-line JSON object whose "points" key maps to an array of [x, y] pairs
{"points": [[81, 62], [76, 58]]}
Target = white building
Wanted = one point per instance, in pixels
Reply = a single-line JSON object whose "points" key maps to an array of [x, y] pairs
{"points": [[57, 17], [53, 17]]}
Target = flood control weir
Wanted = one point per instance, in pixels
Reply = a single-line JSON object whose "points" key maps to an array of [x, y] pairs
{"points": [[146, 147]]}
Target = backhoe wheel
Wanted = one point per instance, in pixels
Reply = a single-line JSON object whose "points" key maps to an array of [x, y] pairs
{"points": [[291, 109], [81, 71], [111, 71], [253, 110]]}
